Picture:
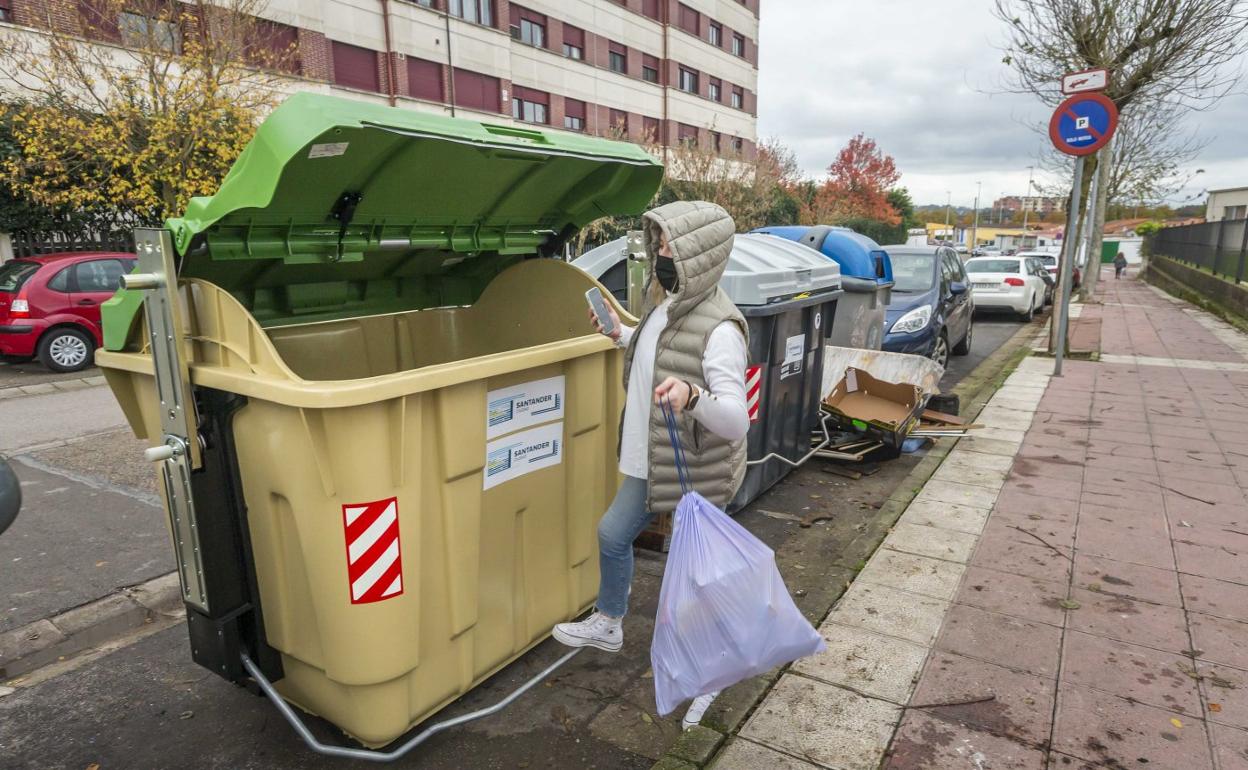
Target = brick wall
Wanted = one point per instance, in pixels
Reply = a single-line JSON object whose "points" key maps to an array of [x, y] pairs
{"points": [[315, 55], [502, 16], [61, 15], [555, 111]]}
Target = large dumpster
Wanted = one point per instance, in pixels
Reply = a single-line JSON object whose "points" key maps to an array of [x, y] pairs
{"points": [[788, 295], [399, 427], [866, 276]]}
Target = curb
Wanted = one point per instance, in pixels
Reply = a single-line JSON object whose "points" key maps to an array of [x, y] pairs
{"points": [[690, 751], [44, 388], [68, 633]]}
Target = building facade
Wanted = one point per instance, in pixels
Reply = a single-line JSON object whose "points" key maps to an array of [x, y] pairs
{"points": [[1231, 203], [651, 71], [1033, 203]]}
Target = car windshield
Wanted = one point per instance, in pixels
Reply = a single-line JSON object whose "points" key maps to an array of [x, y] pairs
{"points": [[14, 274], [1049, 260], [992, 266], [912, 272]]}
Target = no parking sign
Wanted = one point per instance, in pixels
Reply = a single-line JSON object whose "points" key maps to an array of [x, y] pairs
{"points": [[1083, 124]]}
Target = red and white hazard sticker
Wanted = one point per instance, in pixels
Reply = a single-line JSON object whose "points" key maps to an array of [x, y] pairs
{"points": [[374, 563], [753, 387]]}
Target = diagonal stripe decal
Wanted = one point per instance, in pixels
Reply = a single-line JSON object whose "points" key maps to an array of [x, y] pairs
{"points": [[373, 552]]}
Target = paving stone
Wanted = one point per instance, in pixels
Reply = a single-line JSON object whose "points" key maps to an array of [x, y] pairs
{"points": [[961, 494], [1135, 581], [1222, 641], [1104, 728], [918, 574], [1117, 617], [890, 611], [1131, 671], [696, 745], [29, 646], [826, 724], [1025, 528], [1226, 693], [741, 754], [1231, 746], [1069, 488], [963, 474], [1214, 597], [38, 389], [938, 543], [876, 665], [985, 445], [1111, 542], [1224, 562], [1001, 434], [1148, 522], [1017, 595], [1021, 707], [99, 620], [1001, 639], [951, 516], [925, 742], [1021, 554]]}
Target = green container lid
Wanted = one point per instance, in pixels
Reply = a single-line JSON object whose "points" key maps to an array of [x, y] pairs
{"points": [[339, 208]]}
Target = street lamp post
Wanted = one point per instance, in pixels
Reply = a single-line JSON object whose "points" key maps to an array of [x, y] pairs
{"points": [[975, 227], [1030, 170], [948, 200]]}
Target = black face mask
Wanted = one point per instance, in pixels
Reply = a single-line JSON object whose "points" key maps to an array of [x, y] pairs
{"points": [[665, 271]]}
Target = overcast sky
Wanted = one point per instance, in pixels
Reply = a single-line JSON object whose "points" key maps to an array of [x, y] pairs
{"points": [[925, 80]]}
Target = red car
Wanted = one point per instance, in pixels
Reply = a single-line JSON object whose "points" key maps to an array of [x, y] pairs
{"points": [[50, 306]]}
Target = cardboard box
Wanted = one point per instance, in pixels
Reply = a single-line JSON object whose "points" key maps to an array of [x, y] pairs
{"points": [[884, 411]]}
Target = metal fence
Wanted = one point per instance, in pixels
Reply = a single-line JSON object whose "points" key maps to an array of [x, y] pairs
{"points": [[30, 243], [1220, 247]]}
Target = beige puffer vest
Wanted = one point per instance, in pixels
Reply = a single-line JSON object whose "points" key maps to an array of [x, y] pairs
{"points": [[700, 236]]}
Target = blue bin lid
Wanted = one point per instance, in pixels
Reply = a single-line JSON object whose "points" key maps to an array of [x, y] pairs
{"points": [[858, 255]]}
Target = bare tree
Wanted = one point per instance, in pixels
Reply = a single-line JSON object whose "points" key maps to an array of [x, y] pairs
{"points": [[1169, 52]]}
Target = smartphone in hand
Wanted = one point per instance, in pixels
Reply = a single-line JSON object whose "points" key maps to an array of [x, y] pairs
{"points": [[599, 305]]}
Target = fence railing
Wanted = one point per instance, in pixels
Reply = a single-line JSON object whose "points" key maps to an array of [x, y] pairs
{"points": [[32, 243], [1220, 247]]}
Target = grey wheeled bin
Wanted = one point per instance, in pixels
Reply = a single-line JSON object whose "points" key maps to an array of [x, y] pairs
{"points": [[866, 276], [789, 296]]}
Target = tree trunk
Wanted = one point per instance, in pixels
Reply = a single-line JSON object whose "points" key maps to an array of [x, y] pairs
{"points": [[1093, 273], [1074, 221]]}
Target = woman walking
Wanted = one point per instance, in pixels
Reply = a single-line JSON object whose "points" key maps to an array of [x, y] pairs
{"points": [[690, 350]]}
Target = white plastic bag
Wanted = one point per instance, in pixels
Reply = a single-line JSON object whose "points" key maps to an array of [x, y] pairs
{"points": [[724, 612]]}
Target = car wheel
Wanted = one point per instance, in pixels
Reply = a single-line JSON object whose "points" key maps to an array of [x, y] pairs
{"points": [[940, 351], [964, 347], [66, 350], [1030, 312]]}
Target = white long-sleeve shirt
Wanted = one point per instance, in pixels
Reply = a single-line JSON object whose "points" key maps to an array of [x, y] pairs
{"points": [[721, 409]]}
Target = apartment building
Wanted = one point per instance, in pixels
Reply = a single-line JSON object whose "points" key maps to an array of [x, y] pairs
{"points": [[661, 71], [1034, 204]]}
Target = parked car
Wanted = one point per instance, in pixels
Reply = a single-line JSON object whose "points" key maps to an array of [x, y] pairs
{"points": [[50, 306], [1006, 283], [1052, 262], [1036, 266], [10, 495], [930, 311]]}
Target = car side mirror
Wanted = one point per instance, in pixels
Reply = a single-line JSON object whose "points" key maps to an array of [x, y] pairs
{"points": [[957, 288], [10, 495]]}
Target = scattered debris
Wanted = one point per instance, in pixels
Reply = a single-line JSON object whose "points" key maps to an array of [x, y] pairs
{"points": [[947, 704], [813, 517], [1046, 543], [779, 515]]}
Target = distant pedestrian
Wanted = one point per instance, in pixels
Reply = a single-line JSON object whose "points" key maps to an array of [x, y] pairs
{"points": [[1120, 265]]}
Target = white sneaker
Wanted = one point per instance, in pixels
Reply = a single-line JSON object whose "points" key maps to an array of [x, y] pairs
{"points": [[597, 630], [693, 716]]}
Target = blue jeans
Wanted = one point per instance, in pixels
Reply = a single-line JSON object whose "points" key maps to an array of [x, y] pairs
{"points": [[617, 530]]}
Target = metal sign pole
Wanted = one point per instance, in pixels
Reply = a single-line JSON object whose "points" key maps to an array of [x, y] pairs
{"points": [[1069, 249]]}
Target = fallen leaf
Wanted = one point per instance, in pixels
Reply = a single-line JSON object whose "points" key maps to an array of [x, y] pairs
{"points": [[100, 563], [1176, 722], [649, 674], [1183, 523], [93, 766], [1069, 604], [1215, 707], [186, 715], [647, 718]]}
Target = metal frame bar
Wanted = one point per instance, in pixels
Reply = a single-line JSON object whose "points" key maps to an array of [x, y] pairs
{"points": [[827, 439], [371, 755]]}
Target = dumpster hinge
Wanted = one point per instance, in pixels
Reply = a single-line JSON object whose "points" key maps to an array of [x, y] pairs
{"points": [[343, 212]]}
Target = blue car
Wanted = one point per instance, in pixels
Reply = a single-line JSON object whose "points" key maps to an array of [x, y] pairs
{"points": [[931, 306]]}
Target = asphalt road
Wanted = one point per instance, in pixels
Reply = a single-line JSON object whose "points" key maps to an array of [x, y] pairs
{"points": [[146, 705]]}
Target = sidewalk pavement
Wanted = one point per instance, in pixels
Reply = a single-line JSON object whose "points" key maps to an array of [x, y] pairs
{"points": [[1069, 590]]}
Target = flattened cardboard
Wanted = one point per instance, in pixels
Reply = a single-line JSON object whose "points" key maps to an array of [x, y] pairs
{"points": [[885, 411]]}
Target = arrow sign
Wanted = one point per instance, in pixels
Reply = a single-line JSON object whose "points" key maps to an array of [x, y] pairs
{"points": [[1083, 124]]}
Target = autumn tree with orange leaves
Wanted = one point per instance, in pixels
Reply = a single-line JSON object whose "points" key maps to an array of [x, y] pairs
{"points": [[857, 187]]}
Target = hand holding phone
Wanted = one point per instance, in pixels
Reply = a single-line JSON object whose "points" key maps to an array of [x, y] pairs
{"points": [[604, 320]]}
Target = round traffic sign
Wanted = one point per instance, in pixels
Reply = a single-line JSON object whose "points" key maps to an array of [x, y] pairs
{"points": [[1083, 124]]}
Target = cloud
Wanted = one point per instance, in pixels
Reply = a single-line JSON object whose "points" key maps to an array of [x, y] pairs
{"points": [[926, 81]]}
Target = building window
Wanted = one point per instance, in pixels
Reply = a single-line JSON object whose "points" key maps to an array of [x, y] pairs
{"points": [[618, 57], [619, 122], [476, 91], [716, 35], [738, 145], [689, 20], [355, 67], [1235, 212], [738, 45], [687, 135], [574, 114], [650, 130], [276, 47], [649, 68], [424, 79], [715, 89], [475, 11], [573, 42], [145, 32], [715, 142], [6, 10], [688, 81], [529, 105], [528, 27], [650, 8], [738, 97]]}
